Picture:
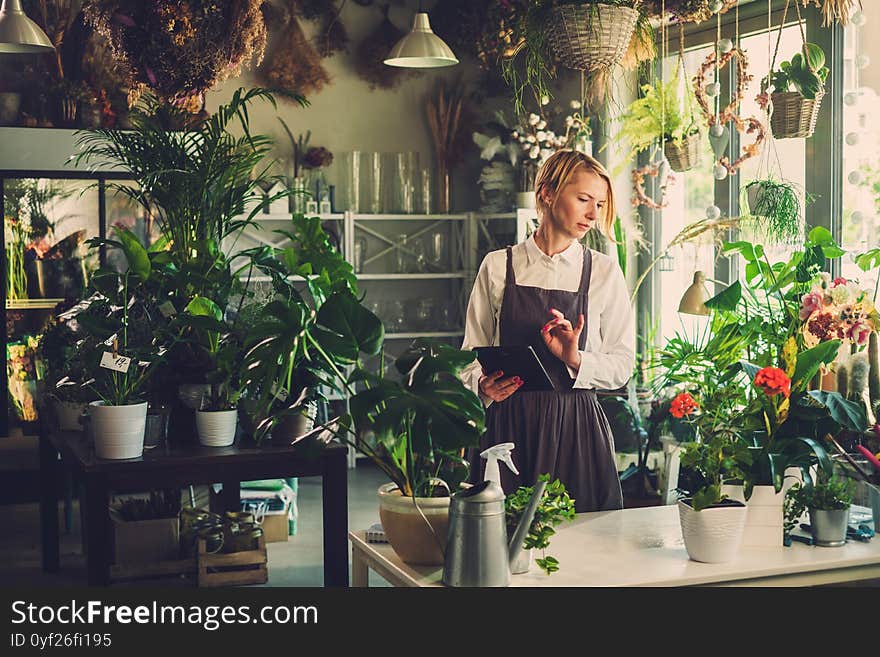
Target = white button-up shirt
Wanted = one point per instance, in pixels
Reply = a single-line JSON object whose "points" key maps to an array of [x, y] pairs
{"points": [[609, 357]]}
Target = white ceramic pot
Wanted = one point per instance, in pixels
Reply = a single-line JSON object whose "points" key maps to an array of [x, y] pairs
{"points": [[764, 518], [118, 431], [405, 529], [68, 414], [216, 428], [712, 535]]}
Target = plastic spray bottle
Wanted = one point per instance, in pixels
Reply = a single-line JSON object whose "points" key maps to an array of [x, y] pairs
{"points": [[499, 452]]}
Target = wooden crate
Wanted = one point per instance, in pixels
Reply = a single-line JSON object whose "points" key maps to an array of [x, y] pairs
{"points": [[234, 568]]}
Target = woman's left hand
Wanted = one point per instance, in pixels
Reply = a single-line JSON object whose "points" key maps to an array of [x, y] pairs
{"points": [[562, 339]]}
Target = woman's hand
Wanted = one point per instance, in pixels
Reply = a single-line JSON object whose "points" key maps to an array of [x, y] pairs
{"points": [[562, 339], [498, 389]]}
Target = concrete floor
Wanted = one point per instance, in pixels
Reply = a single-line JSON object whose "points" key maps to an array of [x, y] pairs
{"points": [[298, 562]]}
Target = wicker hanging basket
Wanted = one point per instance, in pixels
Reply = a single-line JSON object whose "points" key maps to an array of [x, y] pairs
{"points": [[684, 155], [590, 37], [793, 115]]}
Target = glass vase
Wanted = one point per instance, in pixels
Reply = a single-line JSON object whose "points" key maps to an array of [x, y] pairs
{"points": [[442, 188]]}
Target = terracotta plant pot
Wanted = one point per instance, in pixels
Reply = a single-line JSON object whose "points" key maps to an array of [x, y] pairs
{"points": [[406, 530]]}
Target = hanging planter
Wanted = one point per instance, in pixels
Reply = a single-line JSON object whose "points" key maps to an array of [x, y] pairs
{"points": [[590, 37], [793, 116], [683, 155]]}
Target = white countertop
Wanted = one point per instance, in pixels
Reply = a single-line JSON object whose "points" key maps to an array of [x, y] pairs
{"points": [[644, 547]]}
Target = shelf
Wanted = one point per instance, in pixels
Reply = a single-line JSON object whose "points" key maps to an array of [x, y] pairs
{"points": [[408, 277], [336, 216], [33, 304], [425, 334], [412, 217]]}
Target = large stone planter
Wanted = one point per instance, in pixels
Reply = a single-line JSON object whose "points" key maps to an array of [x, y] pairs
{"points": [[406, 530]]}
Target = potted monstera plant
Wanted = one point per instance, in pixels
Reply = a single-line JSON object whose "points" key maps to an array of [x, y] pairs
{"points": [[416, 430]]}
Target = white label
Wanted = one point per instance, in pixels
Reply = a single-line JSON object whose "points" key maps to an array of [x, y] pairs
{"points": [[116, 363], [167, 309]]}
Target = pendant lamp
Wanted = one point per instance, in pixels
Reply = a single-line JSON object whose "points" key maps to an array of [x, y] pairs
{"points": [[421, 48], [693, 301], [18, 33]]}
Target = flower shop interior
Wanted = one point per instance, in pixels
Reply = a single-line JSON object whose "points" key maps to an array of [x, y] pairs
{"points": [[241, 241]]}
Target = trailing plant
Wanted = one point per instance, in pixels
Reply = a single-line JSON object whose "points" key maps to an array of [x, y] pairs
{"points": [[777, 212], [805, 73], [659, 114], [554, 507], [531, 64]]}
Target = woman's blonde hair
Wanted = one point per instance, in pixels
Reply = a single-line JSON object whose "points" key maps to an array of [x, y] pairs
{"points": [[555, 174]]}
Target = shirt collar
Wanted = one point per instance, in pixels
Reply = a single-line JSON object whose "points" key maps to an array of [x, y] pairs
{"points": [[573, 253]]}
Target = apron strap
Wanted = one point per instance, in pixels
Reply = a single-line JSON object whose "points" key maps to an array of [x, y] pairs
{"points": [[510, 277], [585, 273]]}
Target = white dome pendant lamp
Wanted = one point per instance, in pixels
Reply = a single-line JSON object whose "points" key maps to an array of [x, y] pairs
{"points": [[420, 47], [19, 34]]}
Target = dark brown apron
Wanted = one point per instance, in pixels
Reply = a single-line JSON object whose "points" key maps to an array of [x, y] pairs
{"points": [[562, 432]]}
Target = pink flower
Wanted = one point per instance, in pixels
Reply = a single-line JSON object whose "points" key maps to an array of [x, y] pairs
{"points": [[859, 333], [840, 280], [809, 303]]}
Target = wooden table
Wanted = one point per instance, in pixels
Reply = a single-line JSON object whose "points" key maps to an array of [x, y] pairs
{"points": [[644, 547], [177, 467]]}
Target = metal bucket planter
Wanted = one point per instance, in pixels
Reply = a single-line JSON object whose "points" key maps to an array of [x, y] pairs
{"points": [[829, 527], [793, 115], [118, 430], [590, 37], [406, 530], [714, 534], [68, 414]]}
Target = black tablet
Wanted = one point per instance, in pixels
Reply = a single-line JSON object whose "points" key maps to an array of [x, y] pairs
{"points": [[521, 361]]}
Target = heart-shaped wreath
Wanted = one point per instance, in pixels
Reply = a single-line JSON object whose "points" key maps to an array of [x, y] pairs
{"points": [[729, 114]]}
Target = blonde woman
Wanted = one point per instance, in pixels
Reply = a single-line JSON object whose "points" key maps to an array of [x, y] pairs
{"points": [[572, 305]]}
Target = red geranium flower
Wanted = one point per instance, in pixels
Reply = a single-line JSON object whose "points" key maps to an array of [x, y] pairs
{"points": [[773, 381], [682, 404]]}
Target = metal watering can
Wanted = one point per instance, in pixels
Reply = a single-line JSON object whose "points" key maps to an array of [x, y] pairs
{"points": [[477, 550]]}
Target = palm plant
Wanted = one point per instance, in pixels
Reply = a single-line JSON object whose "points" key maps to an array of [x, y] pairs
{"points": [[198, 183]]}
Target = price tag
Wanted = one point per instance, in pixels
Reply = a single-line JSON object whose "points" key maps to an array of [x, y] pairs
{"points": [[116, 363], [167, 309]]}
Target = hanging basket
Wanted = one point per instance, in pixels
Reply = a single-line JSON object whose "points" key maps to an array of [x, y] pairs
{"points": [[592, 36], [793, 115], [683, 155]]}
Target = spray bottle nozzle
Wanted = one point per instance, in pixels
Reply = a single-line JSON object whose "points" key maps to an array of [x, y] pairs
{"points": [[500, 452]]}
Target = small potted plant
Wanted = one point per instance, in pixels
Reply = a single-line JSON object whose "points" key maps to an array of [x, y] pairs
{"points": [[217, 414], [798, 86], [122, 349], [555, 507], [416, 430], [65, 364], [711, 523], [146, 530], [828, 501]]}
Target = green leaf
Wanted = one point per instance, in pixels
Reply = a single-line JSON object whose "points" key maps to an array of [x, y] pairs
{"points": [[821, 236], [204, 307], [351, 327], [868, 260], [135, 253], [850, 415], [727, 299], [809, 362]]}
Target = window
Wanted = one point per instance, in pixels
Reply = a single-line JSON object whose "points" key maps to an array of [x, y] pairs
{"points": [[861, 162]]}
